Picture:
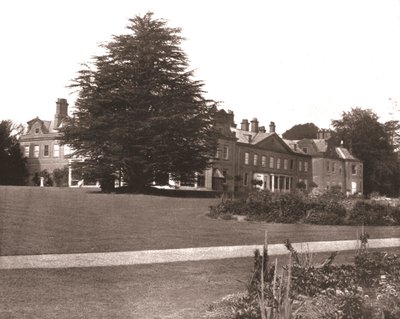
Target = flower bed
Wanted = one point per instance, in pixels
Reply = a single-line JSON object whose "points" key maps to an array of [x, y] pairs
{"points": [[368, 288], [329, 208]]}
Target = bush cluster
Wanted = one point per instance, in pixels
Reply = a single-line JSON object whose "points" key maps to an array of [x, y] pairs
{"points": [[329, 208], [327, 290]]}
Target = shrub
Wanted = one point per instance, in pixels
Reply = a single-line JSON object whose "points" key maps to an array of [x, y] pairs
{"points": [[329, 208], [60, 176], [371, 213]]}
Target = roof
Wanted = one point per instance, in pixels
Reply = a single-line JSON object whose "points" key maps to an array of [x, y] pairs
{"points": [[321, 145], [293, 144], [255, 137], [345, 154]]}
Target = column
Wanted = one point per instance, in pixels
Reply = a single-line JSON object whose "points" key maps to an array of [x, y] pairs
{"points": [[69, 173], [273, 182]]}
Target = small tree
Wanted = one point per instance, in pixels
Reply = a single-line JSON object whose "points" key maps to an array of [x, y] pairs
{"points": [[60, 176], [13, 170], [139, 111]]}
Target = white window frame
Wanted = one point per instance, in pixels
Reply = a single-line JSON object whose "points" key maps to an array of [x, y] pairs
{"points": [[271, 162], [246, 158], [56, 150], [255, 159], [36, 150], [48, 150], [225, 153], [263, 161], [26, 151]]}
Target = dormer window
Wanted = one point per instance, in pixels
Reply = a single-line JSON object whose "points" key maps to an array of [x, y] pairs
{"points": [[36, 130]]}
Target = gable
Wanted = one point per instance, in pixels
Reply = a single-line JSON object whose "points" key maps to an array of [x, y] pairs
{"points": [[274, 143], [37, 126]]}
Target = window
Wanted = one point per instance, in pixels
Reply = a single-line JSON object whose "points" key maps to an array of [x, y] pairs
{"points": [[327, 166], [225, 154], [278, 163], [246, 158], [263, 161], [36, 131], [305, 150], [218, 154], [333, 167], [300, 166], [291, 164], [36, 151], [26, 150], [67, 150], [245, 179], [56, 150], [46, 151], [285, 164], [271, 162], [353, 170], [255, 160], [306, 166], [340, 170]]}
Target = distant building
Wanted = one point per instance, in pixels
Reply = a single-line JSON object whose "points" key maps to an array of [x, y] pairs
{"points": [[41, 143], [247, 157], [333, 166], [250, 157]]}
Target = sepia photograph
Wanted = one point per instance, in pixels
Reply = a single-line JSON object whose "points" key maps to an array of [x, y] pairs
{"points": [[171, 159]]}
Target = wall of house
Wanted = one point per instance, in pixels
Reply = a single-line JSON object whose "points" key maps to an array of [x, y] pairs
{"points": [[354, 177], [252, 170], [54, 159]]}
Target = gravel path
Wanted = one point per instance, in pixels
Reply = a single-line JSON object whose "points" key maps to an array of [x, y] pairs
{"points": [[176, 255]]}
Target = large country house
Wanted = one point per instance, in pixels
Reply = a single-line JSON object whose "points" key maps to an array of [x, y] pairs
{"points": [[333, 166], [249, 157], [41, 143], [246, 157]]}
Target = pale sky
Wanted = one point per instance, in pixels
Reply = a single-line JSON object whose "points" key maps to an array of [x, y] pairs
{"points": [[291, 62]]}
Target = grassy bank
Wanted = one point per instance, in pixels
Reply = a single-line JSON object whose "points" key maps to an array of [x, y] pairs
{"points": [[60, 220]]}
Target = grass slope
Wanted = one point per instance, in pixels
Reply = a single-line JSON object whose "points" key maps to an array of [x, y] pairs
{"points": [[37, 220]]}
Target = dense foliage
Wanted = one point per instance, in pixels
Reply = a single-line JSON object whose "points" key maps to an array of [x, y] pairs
{"points": [[328, 208], [13, 169], [368, 288], [140, 114], [300, 131], [373, 143]]}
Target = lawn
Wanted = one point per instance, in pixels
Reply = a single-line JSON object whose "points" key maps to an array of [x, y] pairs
{"points": [[54, 220], [167, 291], [37, 220]]}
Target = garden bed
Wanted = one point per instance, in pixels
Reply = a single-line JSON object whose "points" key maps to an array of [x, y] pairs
{"points": [[329, 208], [367, 288]]}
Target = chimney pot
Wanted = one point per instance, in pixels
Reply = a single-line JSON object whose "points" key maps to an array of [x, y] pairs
{"points": [[244, 125], [254, 125], [272, 127], [262, 129]]}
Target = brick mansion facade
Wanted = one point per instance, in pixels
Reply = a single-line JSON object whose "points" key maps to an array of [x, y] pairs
{"points": [[247, 157]]}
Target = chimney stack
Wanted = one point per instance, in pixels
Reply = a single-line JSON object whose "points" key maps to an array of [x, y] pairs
{"points": [[272, 127], [254, 125], [323, 134], [262, 129], [61, 112], [231, 117], [244, 125]]}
